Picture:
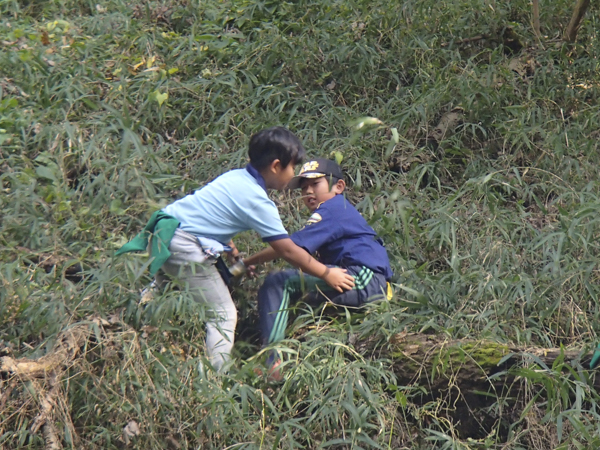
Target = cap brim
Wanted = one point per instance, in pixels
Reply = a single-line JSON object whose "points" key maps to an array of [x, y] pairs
{"points": [[295, 182]]}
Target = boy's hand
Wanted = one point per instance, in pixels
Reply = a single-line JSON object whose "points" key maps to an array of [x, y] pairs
{"points": [[233, 255], [251, 272], [338, 279]]}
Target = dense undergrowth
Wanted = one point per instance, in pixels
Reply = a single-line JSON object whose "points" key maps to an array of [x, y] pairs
{"points": [[110, 109]]}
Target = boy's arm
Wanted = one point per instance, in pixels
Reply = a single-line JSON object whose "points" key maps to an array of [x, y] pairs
{"points": [[266, 255], [298, 257]]}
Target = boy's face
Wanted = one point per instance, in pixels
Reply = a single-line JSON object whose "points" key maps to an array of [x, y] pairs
{"points": [[318, 190], [285, 174]]}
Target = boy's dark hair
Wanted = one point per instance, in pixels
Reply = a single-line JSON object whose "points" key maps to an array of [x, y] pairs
{"points": [[275, 143]]}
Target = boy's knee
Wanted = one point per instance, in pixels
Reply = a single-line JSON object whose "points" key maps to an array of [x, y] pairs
{"points": [[228, 314], [276, 278], [233, 316]]}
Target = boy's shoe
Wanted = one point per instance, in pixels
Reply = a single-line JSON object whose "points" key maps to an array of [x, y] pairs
{"points": [[274, 374]]}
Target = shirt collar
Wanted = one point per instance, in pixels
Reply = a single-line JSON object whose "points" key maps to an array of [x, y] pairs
{"points": [[256, 174], [332, 199]]}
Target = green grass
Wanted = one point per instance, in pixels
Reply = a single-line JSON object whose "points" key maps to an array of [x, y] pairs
{"points": [[111, 109]]}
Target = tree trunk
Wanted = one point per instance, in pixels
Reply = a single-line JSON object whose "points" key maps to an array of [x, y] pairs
{"points": [[573, 27]]}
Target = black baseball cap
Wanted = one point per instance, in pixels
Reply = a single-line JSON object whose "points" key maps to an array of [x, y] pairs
{"points": [[316, 168]]}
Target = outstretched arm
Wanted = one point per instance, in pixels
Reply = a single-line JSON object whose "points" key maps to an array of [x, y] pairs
{"points": [[298, 257], [266, 255]]}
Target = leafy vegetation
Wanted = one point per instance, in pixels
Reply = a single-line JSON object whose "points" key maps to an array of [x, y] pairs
{"points": [[482, 180]]}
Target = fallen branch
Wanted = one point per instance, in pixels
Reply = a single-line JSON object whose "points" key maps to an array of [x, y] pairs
{"points": [[45, 418], [46, 369], [479, 37], [65, 350]]}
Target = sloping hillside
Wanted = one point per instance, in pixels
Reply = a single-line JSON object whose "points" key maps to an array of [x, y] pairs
{"points": [[482, 179]]}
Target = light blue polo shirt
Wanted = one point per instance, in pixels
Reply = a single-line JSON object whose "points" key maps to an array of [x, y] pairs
{"points": [[234, 202]]}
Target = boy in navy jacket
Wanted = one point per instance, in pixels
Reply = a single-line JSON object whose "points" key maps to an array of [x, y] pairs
{"points": [[339, 236]]}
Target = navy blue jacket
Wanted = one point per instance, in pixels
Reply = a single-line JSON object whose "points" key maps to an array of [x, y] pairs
{"points": [[342, 237]]}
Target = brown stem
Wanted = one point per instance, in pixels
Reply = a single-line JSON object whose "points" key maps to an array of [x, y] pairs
{"points": [[536, 18], [578, 13]]}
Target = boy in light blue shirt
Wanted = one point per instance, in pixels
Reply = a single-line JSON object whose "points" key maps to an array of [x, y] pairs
{"points": [[236, 201], [187, 235]]}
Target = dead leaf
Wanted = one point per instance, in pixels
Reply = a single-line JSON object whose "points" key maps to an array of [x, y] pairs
{"points": [[398, 338], [411, 350], [173, 444], [516, 65], [149, 329], [45, 38], [447, 125], [113, 319], [100, 321], [130, 431]]}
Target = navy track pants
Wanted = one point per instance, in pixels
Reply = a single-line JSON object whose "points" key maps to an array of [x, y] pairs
{"points": [[285, 287]]}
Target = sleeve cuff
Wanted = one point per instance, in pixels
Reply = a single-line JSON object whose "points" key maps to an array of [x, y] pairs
{"points": [[276, 237]]}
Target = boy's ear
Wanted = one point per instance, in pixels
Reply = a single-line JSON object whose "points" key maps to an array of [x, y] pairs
{"points": [[339, 187], [275, 165]]}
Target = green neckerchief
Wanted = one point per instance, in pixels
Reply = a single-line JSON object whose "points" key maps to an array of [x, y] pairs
{"points": [[161, 228]]}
